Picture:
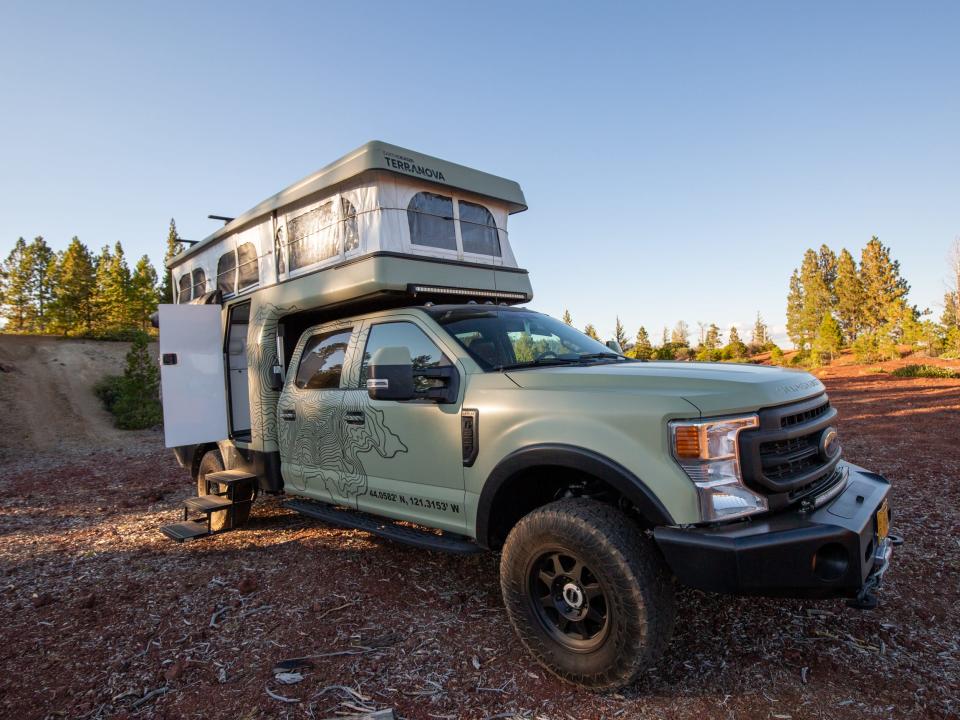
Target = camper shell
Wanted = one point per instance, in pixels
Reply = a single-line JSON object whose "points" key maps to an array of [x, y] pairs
{"points": [[381, 227]]}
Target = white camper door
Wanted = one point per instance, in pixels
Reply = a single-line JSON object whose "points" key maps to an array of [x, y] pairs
{"points": [[192, 374]]}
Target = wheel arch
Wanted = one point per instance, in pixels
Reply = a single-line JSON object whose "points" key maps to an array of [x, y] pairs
{"points": [[508, 478]]}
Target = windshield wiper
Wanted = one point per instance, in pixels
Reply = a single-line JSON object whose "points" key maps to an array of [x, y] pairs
{"points": [[553, 360], [601, 356]]}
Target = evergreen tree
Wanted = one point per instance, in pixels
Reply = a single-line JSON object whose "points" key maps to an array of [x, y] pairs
{"points": [[567, 317], [828, 340], [849, 293], [642, 350], [41, 260], [884, 291], [761, 334], [76, 281], [680, 334], [113, 290], [143, 293], [827, 262], [17, 293], [951, 299], [817, 294], [665, 338], [620, 335], [711, 340], [795, 327], [591, 332], [735, 348], [174, 247]]}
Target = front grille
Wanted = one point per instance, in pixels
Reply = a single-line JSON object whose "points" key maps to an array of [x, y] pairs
{"points": [[783, 454]]}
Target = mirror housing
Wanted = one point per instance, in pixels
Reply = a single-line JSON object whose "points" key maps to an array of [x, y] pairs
{"points": [[276, 378], [390, 375], [615, 346]]}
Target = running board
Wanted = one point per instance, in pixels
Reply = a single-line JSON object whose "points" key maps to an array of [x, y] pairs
{"points": [[383, 527]]}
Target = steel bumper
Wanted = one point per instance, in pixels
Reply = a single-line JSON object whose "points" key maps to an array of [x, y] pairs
{"points": [[820, 552]]}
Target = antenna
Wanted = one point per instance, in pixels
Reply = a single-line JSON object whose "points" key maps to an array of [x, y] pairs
{"points": [[225, 219]]}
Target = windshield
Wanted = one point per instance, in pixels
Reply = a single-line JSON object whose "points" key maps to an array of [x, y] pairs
{"points": [[500, 339]]}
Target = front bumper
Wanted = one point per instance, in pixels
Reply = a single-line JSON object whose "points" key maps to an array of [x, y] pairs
{"points": [[830, 551]]}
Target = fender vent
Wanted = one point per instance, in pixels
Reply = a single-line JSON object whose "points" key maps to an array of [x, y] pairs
{"points": [[470, 435]]}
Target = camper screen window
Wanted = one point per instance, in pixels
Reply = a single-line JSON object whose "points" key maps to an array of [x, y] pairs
{"points": [[226, 272], [249, 269], [321, 362], [184, 284], [312, 237], [199, 283], [431, 221], [478, 230]]}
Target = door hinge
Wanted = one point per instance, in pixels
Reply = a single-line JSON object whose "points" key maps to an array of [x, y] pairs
{"points": [[470, 435]]}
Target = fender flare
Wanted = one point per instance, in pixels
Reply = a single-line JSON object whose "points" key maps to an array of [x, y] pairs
{"points": [[573, 458]]}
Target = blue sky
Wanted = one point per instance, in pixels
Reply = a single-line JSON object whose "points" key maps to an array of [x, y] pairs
{"points": [[677, 157]]}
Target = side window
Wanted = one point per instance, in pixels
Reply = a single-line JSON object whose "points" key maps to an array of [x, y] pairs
{"points": [[478, 230], [311, 237], [248, 266], [199, 283], [321, 362], [423, 351], [184, 284], [431, 221], [226, 272], [351, 235]]}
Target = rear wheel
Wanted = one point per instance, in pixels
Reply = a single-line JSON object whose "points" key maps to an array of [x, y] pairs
{"points": [[587, 593], [212, 462]]}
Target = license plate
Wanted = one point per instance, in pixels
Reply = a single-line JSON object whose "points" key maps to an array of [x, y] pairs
{"points": [[883, 521]]}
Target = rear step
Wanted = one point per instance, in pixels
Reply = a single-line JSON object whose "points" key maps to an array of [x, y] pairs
{"points": [[384, 528], [207, 504]]}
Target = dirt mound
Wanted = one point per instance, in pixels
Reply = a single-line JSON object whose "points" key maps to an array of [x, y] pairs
{"points": [[46, 391]]}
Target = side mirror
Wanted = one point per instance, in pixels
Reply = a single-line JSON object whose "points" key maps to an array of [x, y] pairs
{"points": [[276, 378], [390, 375], [615, 346]]}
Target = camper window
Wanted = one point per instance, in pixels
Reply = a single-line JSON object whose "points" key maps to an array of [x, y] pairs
{"points": [[199, 283], [351, 237], [183, 296], [311, 237], [226, 273], [431, 221], [321, 361], [248, 265], [478, 230]]}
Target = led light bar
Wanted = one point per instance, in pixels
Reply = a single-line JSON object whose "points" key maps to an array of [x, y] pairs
{"points": [[466, 292]]}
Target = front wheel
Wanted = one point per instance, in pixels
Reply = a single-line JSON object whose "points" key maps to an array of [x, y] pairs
{"points": [[587, 592]]}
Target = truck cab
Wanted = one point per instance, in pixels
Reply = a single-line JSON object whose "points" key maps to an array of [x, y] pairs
{"points": [[415, 396]]}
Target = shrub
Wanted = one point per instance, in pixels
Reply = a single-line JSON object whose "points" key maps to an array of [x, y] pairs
{"points": [[776, 355], [925, 371], [134, 398]]}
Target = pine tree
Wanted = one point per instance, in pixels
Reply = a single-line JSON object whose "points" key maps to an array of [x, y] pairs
{"points": [[17, 295], [143, 293], [567, 318], [712, 340], [829, 338], [620, 335], [950, 319], [76, 281], [817, 292], [665, 338], [849, 293], [884, 291], [827, 262], [41, 259], [642, 350], [113, 290], [591, 332], [735, 347], [795, 328], [761, 334], [174, 247]]}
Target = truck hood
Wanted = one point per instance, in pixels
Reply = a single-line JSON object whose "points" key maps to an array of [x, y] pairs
{"points": [[713, 388]]}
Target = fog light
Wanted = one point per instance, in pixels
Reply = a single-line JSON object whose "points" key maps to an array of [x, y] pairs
{"points": [[831, 562]]}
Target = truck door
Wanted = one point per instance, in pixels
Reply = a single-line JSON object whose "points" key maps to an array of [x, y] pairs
{"points": [[192, 379], [423, 481]]}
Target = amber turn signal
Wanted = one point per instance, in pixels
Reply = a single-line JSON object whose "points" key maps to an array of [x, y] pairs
{"points": [[686, 440]]}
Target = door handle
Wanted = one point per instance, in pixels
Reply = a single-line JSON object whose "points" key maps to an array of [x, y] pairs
{"points": [[354, 418], [288, 414]]}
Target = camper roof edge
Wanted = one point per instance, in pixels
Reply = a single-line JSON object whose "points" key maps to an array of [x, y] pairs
{"points": [[374, 155]]}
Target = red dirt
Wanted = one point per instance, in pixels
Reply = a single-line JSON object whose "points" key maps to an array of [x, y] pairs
{"points": [[100, 610]]}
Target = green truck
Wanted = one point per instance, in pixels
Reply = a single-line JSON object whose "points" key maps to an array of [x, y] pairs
{"points": [[362, 347]]}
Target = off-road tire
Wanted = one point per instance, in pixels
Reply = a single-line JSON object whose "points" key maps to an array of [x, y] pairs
{"points": [[212, 462], [636, 585]]}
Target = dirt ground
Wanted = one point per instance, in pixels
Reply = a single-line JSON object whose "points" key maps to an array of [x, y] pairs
{"points": [[102, 617]]}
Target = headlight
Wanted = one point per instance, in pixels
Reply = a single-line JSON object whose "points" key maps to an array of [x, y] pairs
{"points": [[708, 453]]}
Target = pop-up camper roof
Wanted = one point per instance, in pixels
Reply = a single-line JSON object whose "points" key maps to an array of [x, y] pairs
{"points": [[379, 200]]}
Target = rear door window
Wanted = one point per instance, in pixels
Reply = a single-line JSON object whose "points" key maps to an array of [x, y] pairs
{"points": [[321, 362]]}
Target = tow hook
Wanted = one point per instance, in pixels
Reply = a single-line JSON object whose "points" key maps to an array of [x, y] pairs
{"points": [[866, 598]]}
